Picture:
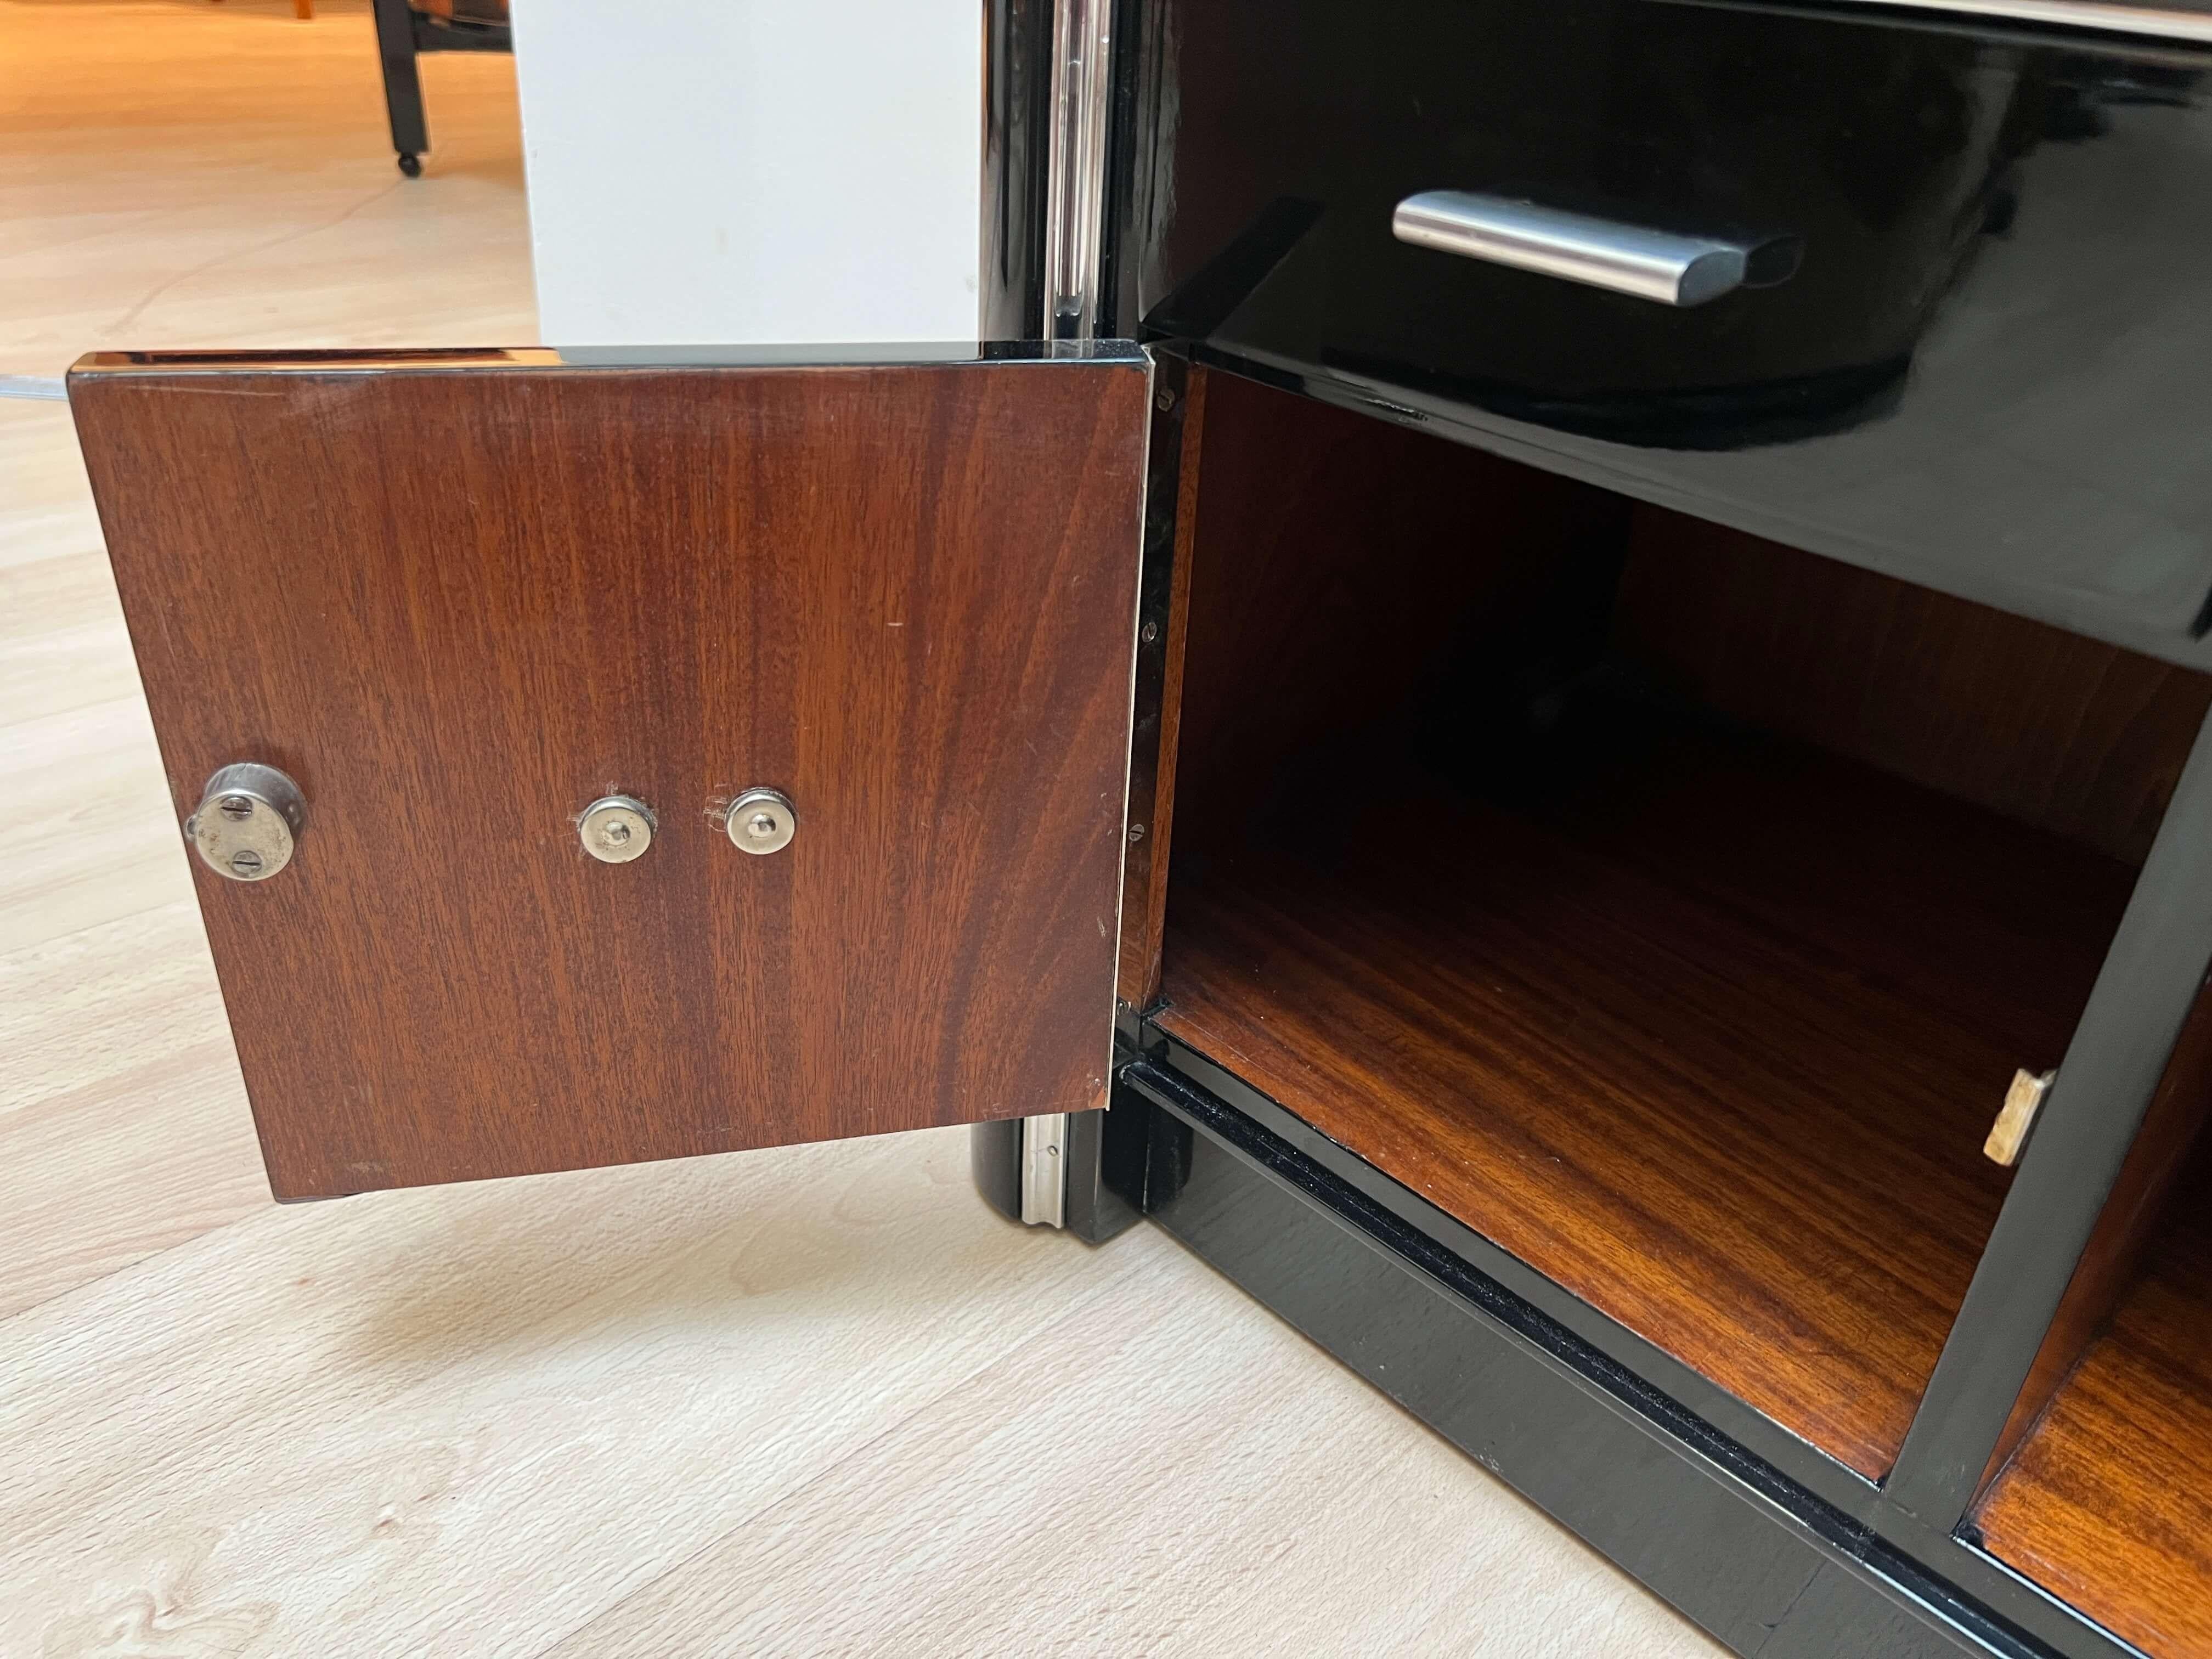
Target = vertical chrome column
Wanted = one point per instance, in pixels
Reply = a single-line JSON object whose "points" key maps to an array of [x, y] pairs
{"points": [[1075, 208]]}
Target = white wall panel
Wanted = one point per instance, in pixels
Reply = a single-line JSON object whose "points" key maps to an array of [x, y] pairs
{"points": [[740, 170]]}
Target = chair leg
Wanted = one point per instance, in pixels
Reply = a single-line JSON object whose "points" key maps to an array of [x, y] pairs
{"points": [[402, 86], [304, 11]]}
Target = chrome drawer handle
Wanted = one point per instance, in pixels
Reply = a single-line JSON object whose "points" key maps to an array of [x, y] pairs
{"points": [[1651, 265]]}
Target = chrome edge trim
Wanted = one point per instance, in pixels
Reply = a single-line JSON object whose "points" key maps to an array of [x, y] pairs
{"points": [[940, 354], [2070, 14]]}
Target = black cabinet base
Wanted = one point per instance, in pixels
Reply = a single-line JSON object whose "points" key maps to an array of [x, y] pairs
{"points": [[1500, 1382], [1753, 1555]]}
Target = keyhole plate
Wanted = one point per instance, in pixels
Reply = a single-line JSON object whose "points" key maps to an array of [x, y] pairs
{"points": [[248, 822]]}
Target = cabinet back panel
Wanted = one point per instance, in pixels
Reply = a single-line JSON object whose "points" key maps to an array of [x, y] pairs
{"points": [[1345, 574], [2081, 737], [1336, 559]]}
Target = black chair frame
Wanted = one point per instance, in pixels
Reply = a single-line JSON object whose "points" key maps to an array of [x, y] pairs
{"points": [[402, 35]]}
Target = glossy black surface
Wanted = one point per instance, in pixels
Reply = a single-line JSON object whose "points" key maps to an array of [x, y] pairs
{"points": [[1286, 1266], [1986, 375], [1760, 1563], [1017, 124]]}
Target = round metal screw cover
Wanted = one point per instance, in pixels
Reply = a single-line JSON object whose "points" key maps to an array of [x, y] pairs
{"points": [[616, 829], [761, 821]]}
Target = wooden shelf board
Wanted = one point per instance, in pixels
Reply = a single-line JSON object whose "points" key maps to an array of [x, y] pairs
{"points": [[1714, 1043]]}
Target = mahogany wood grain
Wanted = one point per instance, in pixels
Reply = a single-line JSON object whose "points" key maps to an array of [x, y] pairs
{"points": [[1145, 875], [1713, 1042], [458, 604], [2047, 726], [2137, 1204], [2108, 1502]]}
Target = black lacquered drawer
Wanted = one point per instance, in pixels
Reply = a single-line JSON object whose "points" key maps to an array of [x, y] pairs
{"points": [[1990, 371]]}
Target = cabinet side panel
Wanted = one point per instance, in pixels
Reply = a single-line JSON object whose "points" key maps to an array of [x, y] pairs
{"points": [[1163, 628]]}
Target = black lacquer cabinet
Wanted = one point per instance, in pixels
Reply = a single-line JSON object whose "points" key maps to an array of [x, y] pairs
{"points": [[1569, 679]]}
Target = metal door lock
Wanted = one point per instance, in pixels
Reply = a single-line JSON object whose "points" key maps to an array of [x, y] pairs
{"points": [[616, 829], [248, 822], [761, 821]]}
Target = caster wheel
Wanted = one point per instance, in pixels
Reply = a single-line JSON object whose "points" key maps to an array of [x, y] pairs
{"points": [[410, 165]]}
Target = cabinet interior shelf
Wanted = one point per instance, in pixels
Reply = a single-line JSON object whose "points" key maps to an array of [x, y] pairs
{"points": [[1713, 1044]]}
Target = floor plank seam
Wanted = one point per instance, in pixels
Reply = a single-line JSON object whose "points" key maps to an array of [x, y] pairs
{"points": [[224, 258]]}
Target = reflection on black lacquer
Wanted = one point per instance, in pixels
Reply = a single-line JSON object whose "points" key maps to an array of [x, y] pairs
{"points": [[1973, 376]]}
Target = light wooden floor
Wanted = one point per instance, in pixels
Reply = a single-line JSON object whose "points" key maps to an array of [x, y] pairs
{"points": [[818, 1401]]}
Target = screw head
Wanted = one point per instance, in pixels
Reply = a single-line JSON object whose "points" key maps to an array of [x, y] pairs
{"points": [[1149, 632], [616, 829], [761, 821], [236, 806], [1136, 832], [1163, 401], [246, 863]]}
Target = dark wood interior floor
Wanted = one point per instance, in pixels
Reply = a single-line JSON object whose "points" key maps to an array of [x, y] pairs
{"points": [[1713, 1039], [2108, 1503]]}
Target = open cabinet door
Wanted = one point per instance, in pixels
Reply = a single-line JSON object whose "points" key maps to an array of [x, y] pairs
{"points": [[458, 598]]}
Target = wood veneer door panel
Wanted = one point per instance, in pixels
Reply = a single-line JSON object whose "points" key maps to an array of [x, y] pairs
{"points": [[458, 603]]}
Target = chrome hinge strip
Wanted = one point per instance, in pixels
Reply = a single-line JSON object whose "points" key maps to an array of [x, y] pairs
{"points": [[1044, 1169]]}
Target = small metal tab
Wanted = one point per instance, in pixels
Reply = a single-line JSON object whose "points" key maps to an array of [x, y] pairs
{"points": [[616, 829], [2008, 1134], [761, 821], [248, 822]]}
